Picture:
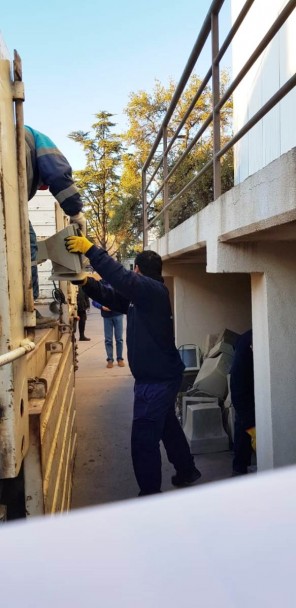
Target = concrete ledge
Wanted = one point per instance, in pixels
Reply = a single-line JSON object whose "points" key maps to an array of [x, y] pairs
{"points": [[264, 200]]}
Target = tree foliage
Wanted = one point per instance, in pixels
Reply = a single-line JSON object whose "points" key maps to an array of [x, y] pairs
{"points": [[111, 185], [99, 182], [145, 114]]}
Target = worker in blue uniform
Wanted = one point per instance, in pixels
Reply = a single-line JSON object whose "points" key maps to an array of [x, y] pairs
{"points": [[48, 168], [243, 401], [153, 359]]}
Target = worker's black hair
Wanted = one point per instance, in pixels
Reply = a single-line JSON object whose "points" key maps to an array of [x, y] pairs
{"points": [[149, 263]]}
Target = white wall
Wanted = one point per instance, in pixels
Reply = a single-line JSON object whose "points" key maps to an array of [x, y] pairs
{"points": [[208, 303], [42, 213], [275, 134], [128, 263]]}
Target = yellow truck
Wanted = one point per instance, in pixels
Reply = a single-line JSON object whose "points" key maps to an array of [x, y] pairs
{"points": [[37, 367]]}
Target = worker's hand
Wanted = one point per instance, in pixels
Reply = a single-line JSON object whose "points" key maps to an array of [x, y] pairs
{"points": [[77, 244], [252, 433], [80, 220]]}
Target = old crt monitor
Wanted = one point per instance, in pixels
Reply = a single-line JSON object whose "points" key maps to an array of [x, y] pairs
{"points": [[65, 266], [190, 356]]}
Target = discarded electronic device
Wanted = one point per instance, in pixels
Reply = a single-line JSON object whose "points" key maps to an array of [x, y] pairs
{"points": [[66, 266]]}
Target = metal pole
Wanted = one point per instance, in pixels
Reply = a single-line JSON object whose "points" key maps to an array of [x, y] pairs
{"points": [[165, 181], [145, 210], [216, 114], [19, 98]]}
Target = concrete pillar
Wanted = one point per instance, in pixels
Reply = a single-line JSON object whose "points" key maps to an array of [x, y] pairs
{"points": [[274, 346]]}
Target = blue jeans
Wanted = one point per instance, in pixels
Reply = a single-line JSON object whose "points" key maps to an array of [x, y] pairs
{"points": [[154, 421], [115, 323]]}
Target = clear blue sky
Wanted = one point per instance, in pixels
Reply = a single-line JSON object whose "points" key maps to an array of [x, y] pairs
{"points": [[84, 56]]}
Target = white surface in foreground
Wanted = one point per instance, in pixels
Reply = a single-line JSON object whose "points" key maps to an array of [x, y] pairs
{"points": [[228, 544]]}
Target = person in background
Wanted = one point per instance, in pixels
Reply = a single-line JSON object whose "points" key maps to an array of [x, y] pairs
{"points": [[83, 305], [113, 324], [48, 168], [243, 400], [153, 359]]}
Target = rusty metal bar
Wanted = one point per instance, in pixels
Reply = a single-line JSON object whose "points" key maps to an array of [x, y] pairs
{"points": [[206, 79], [22, 186], [284, 90], [211, 24], [186, 115], [199, 44], [145, 212], [166, 186], [204, 126], [188, 112], [174, 200], [207, 122], [159, 164], [233, 30], [155, 195], [216, 113]]}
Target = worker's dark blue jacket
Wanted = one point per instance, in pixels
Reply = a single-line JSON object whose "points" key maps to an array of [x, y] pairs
{"points": [[242, 380], [152, 354]]}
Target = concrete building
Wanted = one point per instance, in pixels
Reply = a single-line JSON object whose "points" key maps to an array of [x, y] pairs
{"points": [[233, 263], [45, 214]]}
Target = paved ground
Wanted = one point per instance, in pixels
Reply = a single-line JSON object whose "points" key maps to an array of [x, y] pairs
{"points": [[103, 469]]}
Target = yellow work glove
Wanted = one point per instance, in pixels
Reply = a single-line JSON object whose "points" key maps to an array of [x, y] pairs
{"points": [[77, 244], [252, 433]]}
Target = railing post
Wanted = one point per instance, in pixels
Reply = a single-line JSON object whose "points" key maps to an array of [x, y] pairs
{"points": [[215, 101], [165, 182], [145, 210]]}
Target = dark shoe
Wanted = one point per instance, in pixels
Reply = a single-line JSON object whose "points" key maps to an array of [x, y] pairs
{"points": [[181, 482], [84, 339]]}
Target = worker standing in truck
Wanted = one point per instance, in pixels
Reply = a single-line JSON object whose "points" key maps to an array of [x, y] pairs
{"points": [[48, 168], [153, 359]]}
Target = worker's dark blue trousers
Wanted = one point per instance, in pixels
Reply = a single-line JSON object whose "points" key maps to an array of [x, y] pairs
{"points": [[155, 420], [242, 446], [34, 249]]}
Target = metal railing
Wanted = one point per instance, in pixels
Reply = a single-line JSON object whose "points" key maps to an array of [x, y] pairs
{"points": [[210, 28]]}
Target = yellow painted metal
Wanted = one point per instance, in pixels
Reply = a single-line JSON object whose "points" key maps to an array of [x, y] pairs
{"points": [[55, 418], [39, 432], [14, 427]]}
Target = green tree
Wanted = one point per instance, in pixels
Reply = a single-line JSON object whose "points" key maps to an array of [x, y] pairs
{"points": [[127, 220], [99, 182], [145, 114]]}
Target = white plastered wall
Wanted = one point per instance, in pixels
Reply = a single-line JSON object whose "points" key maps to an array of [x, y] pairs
{"points": [[275, 133], [274, 333], [43, 211], [208, 303]]}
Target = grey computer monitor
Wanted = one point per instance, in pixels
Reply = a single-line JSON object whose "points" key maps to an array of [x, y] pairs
{"points": [[65, 265], [190, 355]]}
